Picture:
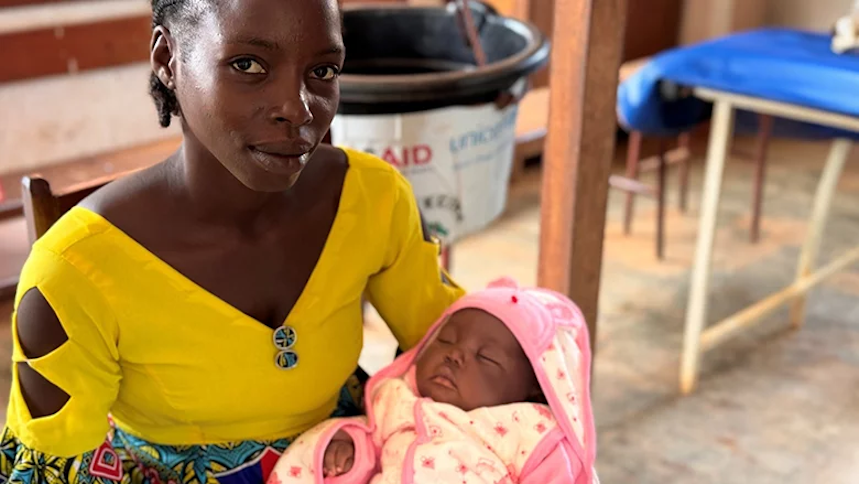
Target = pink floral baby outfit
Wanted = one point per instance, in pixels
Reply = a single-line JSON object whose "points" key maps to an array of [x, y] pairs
{"points": [[413, 440]]}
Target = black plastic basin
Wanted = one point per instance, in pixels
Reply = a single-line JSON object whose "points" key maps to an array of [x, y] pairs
{"points": [[402, 59]]}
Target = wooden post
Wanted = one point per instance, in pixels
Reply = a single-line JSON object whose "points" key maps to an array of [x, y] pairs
{"points": [[579, 150]]}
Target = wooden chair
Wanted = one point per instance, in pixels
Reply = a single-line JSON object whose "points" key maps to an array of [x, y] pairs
{"points": [[630, 184], [531, 132], [681, 155], [43, 206], [665, 157]]}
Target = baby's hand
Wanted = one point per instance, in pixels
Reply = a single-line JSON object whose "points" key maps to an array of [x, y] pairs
{"points": [[339, 456]]}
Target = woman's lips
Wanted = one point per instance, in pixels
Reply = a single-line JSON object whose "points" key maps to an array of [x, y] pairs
{"points": [[280, 163], [284, 147]]}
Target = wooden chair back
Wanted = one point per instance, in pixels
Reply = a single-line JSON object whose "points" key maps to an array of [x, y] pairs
{"points": [[43, 206]]}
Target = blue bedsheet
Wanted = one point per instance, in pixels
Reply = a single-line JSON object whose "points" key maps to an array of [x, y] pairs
{"points": [[776, 64]]}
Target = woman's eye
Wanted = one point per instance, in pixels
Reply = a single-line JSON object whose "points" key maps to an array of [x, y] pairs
{"points": [[325, 73], [248, 66]]}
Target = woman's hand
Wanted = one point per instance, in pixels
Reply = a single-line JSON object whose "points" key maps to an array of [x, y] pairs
{"points": [[339, 456]]}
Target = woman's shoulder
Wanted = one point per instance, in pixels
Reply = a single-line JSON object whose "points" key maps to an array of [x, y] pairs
{"points": [[137, 203], [362, 160], [371, 167], [71, 251], [75, 228], [85, 238], [379, 180]]}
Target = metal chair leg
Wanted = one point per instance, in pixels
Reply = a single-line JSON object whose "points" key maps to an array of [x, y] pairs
{"points": [[763, 141], [684, 141], [660, 201]]}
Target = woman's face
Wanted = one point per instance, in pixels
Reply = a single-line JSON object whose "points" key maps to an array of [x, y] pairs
{"points": [[257, 84]]}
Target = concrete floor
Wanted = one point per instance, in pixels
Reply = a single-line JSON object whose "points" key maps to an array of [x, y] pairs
{"points": [[774, 406]]}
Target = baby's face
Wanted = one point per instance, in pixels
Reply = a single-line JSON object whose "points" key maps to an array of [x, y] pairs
{"points": [[473, 362]]}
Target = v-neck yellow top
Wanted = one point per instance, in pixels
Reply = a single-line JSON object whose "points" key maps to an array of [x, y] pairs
{"points": [[175, 365]]}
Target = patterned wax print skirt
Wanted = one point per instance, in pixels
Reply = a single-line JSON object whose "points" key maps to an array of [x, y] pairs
{"points": [[126, 459]]}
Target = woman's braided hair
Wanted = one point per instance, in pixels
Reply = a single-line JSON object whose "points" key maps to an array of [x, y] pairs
{"points": [[168, 13], [177, 16]]}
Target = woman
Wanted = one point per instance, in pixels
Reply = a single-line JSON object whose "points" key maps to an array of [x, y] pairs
{"points": [[212, 304]]}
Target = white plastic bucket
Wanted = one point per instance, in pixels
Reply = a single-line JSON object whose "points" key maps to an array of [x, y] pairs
{"points": [[458, 160], [412, 94]]}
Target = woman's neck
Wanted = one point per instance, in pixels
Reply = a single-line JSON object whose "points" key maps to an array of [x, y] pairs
{"points": [[214, 194]]}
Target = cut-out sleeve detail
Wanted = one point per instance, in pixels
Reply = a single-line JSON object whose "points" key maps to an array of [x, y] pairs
{"points": [[85, 366], [39, 333], [411, 291]]}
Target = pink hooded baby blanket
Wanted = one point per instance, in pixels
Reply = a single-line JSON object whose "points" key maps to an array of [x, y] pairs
{"points": [[414, 440]]}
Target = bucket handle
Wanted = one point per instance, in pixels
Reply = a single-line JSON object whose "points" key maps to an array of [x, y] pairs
{"points": [[472, 38], [490, 10], [467, 25]]}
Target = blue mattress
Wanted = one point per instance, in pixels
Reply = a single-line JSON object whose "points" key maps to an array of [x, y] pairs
{"points": [[775, 64]]}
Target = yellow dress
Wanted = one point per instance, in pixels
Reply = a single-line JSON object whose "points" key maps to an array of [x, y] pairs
{"points": [[176, 367]]}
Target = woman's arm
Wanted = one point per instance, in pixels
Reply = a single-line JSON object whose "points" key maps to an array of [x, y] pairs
{"points": [[65, 369], [411, 290]]}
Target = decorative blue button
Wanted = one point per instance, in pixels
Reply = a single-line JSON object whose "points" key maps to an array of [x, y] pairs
{"points": [[284, 337], [286, 360]]}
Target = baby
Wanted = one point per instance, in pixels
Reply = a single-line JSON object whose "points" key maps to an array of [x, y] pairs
{"points": [[496, 393]]}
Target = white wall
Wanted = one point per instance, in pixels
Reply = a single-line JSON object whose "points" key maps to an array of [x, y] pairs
{"points": [[49, 120], [705, 19], [807, 14], [55, 119], [31, 17]]}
